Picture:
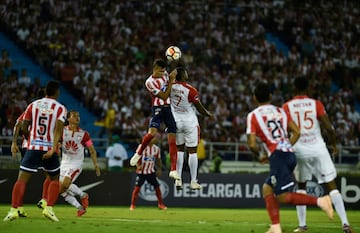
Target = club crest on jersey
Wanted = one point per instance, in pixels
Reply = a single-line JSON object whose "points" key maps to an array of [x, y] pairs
{"points": [[44, 108]]}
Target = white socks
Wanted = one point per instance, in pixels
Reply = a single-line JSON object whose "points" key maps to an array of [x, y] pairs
{"points": [[71, 199], [193, 165], [192, 162], [76, 190], [301, 210], [338, 202], [180, 162]]}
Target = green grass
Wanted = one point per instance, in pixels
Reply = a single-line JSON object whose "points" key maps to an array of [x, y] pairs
{"points": [[182, 220]]}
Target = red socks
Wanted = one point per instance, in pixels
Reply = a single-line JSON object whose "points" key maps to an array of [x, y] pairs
{"points": [[135, 195], [272, 206], [145, 141], [18, 192], [45, 188], [173, 152], [300, 199], [158, 195], [53, 192]]}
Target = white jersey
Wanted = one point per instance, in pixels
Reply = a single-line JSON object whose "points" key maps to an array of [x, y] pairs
{"points": [[183, 96], [313, 157], [73, 146], [305, 111]]}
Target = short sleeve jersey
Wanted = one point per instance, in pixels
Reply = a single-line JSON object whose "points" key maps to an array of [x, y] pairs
{"points": [[73, 145], [270, 123], [149, 156], [183, 96], [154, 86], [305, 112], [43, 114]]}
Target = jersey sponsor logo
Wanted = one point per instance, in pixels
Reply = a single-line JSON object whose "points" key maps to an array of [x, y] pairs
{"points": [[147, 191], [38, 142], [71, 147]]}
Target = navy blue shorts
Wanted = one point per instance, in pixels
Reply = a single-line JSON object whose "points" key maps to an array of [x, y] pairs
{"points": [[163, 114], [150, 178], [33, 161], [282, 165]]}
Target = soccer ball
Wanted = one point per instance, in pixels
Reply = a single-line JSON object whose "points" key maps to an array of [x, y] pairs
{"points": [[173, 53]]}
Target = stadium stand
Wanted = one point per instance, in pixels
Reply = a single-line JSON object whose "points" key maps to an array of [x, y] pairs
{"points": [[103, 56]]}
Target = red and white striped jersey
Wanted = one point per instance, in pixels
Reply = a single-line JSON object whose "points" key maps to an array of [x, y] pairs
{"points": [[270, 123], [155, 85], [305, 111], [183, 96], [148, 159], [42, 115], [73, 146]]}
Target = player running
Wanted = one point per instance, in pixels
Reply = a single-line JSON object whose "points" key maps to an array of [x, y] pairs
{"points": [[271, 124], [46, 118], [313, 157]]}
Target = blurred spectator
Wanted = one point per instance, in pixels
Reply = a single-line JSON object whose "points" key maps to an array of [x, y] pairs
{"points": [[24, 79], [116, 155], [5, 60], [223, 43]]}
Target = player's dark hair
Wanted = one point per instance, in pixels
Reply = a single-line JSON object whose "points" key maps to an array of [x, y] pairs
{"points": [[52, 87], [181, 71], [41, 93], [159, 62], [262, 92], [301, 83]]}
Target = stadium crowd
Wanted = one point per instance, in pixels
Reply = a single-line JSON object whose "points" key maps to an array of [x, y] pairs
{"points": [[103, 51]]}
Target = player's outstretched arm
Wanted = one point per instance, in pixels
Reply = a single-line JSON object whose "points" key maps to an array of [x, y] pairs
{"points": [[201, 109]]}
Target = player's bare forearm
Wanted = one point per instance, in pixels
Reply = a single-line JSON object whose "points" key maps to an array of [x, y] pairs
{"points": [[93, 156], [16, 131], [295, 132], [24, 128], [201, 109]]}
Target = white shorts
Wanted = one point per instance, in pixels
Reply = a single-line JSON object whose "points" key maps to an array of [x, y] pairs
{"points": [[72, 172], [321, 166], [187, 133]]}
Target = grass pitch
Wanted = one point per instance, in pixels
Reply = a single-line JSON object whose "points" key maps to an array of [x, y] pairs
{"points": [[119, 219]]}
